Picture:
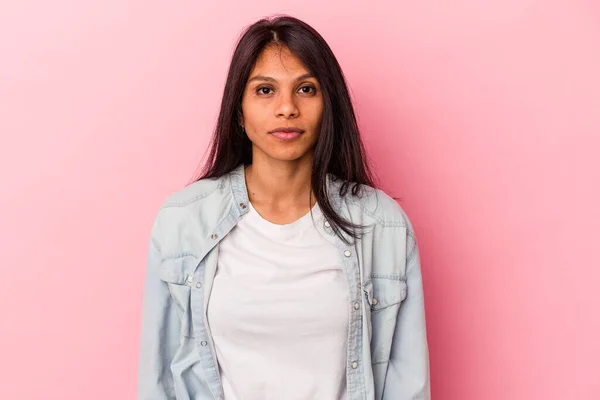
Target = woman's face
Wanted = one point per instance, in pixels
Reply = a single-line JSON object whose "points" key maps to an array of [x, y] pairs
{"points": [[281, 94]]}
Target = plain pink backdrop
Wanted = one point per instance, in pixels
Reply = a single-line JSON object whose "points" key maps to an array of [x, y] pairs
{"points": [[483, 116]]}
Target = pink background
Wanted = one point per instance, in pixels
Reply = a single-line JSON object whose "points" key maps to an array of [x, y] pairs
{"points": [[483, 116]]}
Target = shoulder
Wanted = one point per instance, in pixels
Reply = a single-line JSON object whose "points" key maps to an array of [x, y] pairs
{"points": [[378, 206], [193, 208], [389, 219], [190, 200], [194, 192]]}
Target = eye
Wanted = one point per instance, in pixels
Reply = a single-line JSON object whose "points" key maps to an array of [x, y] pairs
{"points": [[308, 89], [264, 90]]}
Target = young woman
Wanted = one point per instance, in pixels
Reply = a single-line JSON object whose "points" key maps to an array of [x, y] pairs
{"points": [[282, 273]]}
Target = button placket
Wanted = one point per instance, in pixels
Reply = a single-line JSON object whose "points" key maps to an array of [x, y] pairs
{"points": [[356, 306], [206, 345]]}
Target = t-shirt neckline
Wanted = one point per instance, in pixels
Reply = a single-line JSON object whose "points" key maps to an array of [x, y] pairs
{"points": [[299, 223]]}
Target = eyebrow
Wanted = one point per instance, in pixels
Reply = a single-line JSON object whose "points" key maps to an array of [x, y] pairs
{"points": [[270, 79]]}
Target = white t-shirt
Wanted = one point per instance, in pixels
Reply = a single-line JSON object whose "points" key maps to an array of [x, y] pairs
{"points": [[278, 311]]}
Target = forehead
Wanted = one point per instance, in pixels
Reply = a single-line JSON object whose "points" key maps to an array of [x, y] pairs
{"points": [[278, 59]]}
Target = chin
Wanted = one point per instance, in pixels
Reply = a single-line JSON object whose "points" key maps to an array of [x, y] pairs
{"points": [[283, 152], [287, 158], [288, 155]]}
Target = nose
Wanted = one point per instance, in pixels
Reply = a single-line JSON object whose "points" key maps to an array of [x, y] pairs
{"points": [[286, 107]]}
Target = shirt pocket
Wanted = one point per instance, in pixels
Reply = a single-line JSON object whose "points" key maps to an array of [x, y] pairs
{"points": [[178, 274], [384, 297]]}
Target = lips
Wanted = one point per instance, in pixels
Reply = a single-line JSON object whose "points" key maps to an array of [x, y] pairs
{"points": [[288, 129], [287, 133]]}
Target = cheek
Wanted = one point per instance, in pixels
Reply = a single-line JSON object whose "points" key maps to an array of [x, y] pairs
{"points": [[254, 115], [318, 112]]}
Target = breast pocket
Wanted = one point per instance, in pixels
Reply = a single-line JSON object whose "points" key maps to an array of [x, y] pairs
{"points": [[384, 297], [177, 273]]}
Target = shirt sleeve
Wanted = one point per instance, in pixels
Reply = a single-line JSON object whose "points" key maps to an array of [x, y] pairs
{"points": [[159, 334], [407, 376]]}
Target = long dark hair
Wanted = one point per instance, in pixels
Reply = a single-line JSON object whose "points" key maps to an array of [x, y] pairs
{"points": [[339, 150]]}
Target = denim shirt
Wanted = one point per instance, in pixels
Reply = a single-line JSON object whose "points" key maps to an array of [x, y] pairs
{"points": [[387, 351]]}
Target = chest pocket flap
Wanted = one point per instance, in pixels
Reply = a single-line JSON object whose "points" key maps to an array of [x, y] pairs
{"points": [[386, 292], [177, 270]]}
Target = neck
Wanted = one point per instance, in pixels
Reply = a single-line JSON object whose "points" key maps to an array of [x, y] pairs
{"points": [[280, 184]]}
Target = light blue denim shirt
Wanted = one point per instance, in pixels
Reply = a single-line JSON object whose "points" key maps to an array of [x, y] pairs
{"points": [[387, 352]]}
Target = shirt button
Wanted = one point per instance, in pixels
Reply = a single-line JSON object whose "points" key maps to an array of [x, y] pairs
{"points": [[327, 224], [354, 365], [374, 302], [214, 236], [190, 279], [198, 285], [203, 343], [356, 306], [347, 253], [243, 206]]}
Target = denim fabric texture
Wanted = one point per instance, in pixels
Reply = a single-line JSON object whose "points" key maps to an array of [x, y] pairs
{"points": [[387, 351]]}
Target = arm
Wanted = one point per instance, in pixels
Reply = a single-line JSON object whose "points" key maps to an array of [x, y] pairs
{"points": [[407, 377], [159, 334]]}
